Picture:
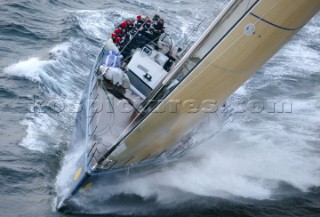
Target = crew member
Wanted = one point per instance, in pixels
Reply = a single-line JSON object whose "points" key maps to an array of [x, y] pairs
{"points": [[114, 36], [172, 58], [139, 19], [158, 29], [123, 27]]}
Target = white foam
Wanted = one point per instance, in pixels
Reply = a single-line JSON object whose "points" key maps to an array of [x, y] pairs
{"points": [[34, 68], [61, 49], [241, 90], [39, 126], [64, 179], [241, 161], [30, 69], [95, 23], [57, 84]]}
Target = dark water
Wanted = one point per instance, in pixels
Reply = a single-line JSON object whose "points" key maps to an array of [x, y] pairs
{"points": [[263, 163]]}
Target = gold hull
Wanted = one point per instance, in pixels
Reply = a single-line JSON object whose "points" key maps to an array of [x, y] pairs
{"points": [[253, 39]]}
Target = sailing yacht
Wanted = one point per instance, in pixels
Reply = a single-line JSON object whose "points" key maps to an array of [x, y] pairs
{"points": [[138, 116]]}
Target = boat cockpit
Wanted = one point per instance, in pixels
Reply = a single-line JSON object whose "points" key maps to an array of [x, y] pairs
{"points": [[133, 69]]}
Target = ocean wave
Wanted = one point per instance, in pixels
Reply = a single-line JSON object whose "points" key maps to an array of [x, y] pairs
{"points": [[18, 31], [7, 93], [40, 128], [30, 69], [58, 80]]}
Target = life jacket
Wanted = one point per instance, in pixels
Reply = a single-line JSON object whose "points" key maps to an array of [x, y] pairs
{"points": [[118, 31], [123, 25], [117, 40]]}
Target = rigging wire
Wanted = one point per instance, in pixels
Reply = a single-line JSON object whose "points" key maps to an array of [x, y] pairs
{"points": [[190, 34]]}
